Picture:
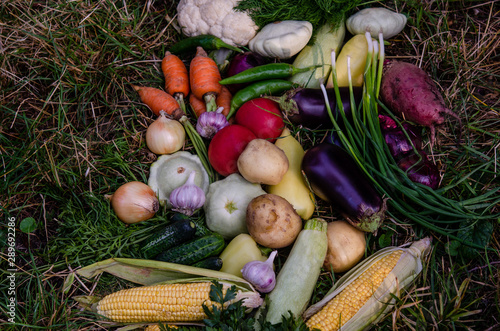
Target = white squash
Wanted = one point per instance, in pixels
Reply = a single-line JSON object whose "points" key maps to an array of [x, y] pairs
{"points": [[375, 20], [282, 39]]}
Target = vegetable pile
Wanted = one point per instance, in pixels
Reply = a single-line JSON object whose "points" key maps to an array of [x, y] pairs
{"points": [[243, 190]]}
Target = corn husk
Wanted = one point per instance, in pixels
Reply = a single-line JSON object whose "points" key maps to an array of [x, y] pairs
{"points": [[383, 300]]}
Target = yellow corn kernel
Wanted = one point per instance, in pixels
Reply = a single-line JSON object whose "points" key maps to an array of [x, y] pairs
{"points": [[165, 303], [342, 307]]}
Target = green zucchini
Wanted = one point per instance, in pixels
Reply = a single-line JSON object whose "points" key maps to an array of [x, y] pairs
{"points": [[297, 278], [194, 250], [211, 262], [171, 235]]}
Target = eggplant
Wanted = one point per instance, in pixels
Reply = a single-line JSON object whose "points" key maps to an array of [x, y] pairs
{"points": [[242, 62], [306, 106], [419, 169], [395, 138], [335, 178]]}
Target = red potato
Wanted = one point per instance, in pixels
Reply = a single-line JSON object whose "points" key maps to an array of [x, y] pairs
{"points": [[263, 117], [226, 146], [410, 91]]}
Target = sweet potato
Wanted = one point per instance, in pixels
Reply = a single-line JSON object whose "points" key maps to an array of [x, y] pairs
{"points": [[408, 90]]}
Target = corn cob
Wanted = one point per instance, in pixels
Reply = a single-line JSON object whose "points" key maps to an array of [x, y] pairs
{"points": [[175, 302], [364, 294]]}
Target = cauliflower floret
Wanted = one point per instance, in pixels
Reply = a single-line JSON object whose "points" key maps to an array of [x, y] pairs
{"points": [[218, 18]]}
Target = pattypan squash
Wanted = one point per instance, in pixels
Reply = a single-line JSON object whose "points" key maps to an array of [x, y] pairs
{"points": [[281, 39], [172, 170], [226, 205], [375, 20]]}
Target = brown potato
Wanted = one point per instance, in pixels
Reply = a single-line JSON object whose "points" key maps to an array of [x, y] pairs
{"points": [[262, 162], [272, 222], [346, 246]]}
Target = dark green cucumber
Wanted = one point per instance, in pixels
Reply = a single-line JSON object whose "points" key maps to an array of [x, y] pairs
{"points": [[194, 250], [173, 234], [212, 263]]}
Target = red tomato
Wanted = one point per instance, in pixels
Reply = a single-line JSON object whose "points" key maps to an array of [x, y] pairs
{"points": [[226, 146], [263, 117]]}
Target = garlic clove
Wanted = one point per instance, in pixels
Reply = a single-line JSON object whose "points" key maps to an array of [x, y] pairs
{"points": [[188, 197], [261, 274]]}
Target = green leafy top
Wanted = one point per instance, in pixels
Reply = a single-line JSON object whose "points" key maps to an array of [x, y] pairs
{"points": [[317, 12]]}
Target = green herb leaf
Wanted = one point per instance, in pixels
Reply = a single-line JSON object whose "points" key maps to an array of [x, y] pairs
{"points": [[478, 233], [28, 225]]}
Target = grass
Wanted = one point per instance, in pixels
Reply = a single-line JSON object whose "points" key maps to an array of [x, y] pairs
{"points": [[72, 130]]}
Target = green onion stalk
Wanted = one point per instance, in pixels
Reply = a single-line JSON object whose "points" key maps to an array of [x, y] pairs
{"points": [[363, 139], [198, 143]]}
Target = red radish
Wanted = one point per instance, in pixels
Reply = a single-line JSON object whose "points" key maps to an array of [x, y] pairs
{"points": [[226, 146], [263, 117], [409, 91]]}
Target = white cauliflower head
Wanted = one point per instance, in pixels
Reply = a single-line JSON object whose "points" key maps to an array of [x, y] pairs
{"points": [[217, 18]]}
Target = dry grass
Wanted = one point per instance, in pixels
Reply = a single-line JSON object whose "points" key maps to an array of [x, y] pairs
{"points": [[72, 130]]}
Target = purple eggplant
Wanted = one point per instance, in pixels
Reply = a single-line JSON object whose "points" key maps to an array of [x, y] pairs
{"points": [[335, 178], [242, 62], [420, 170], [399, 145], [306, 106]]}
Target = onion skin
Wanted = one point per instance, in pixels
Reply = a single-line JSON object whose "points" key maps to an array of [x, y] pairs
{"points": [[165, 135], [134, 202], [423, 171], [335, 177], [396, 140], [306, 106]]}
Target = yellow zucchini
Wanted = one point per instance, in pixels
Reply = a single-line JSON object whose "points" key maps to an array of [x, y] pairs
{"points": [[293, 186]]}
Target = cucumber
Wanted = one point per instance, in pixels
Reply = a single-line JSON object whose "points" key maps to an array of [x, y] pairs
{"points": [[212, 263], [194, 250], [173, 234], [297, 278]]}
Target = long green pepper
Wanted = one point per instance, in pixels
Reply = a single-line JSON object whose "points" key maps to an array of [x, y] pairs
{"points": [[255, 90], [208, 42], [264, 72]]}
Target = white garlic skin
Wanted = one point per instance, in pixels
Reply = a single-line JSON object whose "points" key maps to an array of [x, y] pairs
{"points": [[188, 197], [209, 123], [261, 274]]}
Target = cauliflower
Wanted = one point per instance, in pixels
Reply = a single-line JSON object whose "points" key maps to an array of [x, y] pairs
{"points": [[217, 18]]}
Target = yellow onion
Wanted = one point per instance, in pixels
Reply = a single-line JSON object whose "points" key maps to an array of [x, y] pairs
{"points": [[165, 135], [134, 202]]}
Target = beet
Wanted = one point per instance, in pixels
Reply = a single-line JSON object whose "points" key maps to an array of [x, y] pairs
{"points": [[410, 91]]}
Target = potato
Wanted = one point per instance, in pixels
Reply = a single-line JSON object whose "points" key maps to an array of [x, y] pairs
{"points": [[272, 222], [262, 162], [346, 246]]}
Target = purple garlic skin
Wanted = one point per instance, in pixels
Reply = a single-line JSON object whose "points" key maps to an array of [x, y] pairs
{"points": [[209, 123], [261, 274]]}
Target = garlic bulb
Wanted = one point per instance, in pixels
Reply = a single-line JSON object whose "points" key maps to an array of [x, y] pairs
{"points": [[165, 135], [210, 122], [261, 274], [188, 197], [134, 202]]}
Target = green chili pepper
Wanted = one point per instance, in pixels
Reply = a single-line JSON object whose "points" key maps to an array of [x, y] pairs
{"points": [[255, 90], [266, 71], [208, 42]]}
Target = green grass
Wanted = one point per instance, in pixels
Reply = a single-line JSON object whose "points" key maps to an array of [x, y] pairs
{"points": [[73, 130]]}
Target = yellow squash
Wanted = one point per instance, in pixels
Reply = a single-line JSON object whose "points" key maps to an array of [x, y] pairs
{"points": [[357, 49], [293, 186]]}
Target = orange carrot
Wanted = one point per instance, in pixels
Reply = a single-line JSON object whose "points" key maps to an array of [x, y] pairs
{"points": [[224, 100], [157, 100], [176, 75], [197, 105], [204, 77]]}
